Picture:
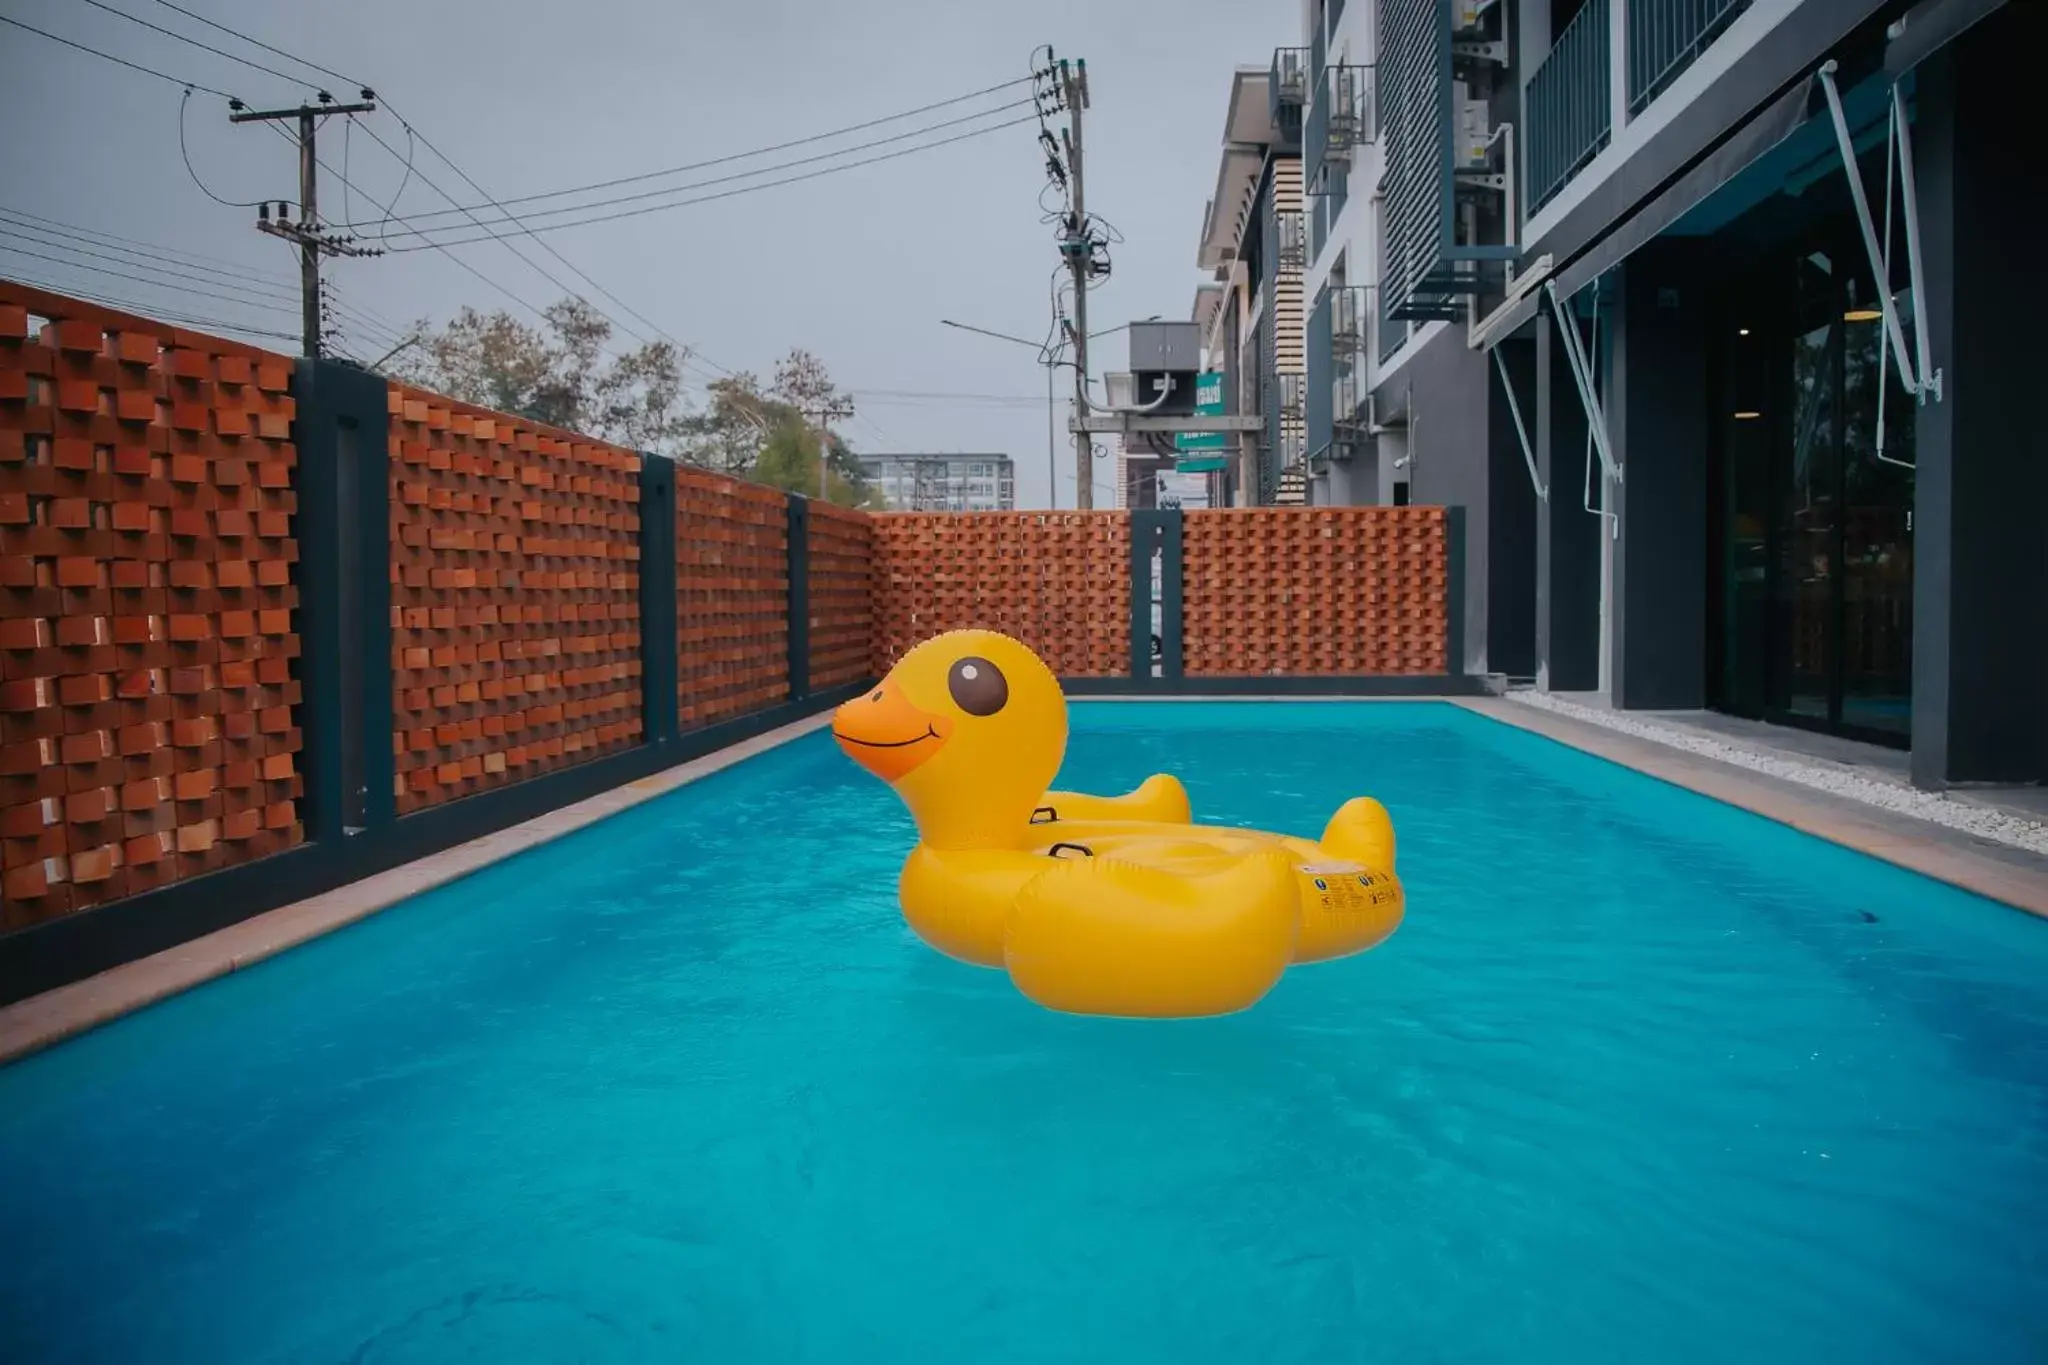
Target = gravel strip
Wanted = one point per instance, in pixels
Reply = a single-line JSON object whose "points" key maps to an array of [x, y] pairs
{"points": [[1970, 818]]}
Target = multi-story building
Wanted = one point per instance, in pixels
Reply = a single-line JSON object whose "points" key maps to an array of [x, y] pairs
{"points": [[1705, 313], [1250, 309], [944, 483]]}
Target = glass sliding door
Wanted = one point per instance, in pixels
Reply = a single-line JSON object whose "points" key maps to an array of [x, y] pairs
{"points": [[1877, 522], [1814, 546], [1747, 616], [1807, 520]]}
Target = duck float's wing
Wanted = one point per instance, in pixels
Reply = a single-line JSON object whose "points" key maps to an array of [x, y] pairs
{"points": [[1160, 799], [1103, 936]]}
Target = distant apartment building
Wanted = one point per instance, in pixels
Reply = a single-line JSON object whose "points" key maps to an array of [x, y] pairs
{"points": [[1705, 313], [944, 483], [1250, 309]]}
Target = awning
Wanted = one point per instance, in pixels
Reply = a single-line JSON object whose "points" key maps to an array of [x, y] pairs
{"points": [[1926, 28], [1750, 140], [1923, 30]]}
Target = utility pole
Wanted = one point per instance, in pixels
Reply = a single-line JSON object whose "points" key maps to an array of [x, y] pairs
{"points": [[1052, 468], [823, 415], [1080, 253], [306, 232]]}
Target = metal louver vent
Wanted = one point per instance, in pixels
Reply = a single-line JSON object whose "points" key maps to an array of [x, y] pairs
{"points": [[1427, 270]]}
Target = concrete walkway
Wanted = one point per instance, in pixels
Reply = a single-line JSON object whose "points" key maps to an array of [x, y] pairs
{"points": [[1990, 851]]}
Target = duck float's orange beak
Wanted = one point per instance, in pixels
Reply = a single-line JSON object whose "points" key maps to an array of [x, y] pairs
{"points": [[887, 734]]}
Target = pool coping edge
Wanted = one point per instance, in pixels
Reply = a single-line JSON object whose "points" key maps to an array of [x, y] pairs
{"points": [[1940, 853], [42, 1021]]}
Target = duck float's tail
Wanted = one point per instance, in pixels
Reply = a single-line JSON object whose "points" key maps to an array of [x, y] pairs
{"points": [[1100, 936], [1362, 832]]}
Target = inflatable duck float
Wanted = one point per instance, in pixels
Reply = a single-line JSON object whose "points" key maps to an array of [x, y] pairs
{"points": [[1114, 905]]}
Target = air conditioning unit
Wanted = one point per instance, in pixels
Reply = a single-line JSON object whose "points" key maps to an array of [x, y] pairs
{"points": [[1348, 420], [1472, 144], [1290, 76], [1349, 324], [1345, 88]]}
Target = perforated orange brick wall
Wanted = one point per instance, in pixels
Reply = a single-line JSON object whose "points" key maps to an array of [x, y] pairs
{"points": [[1058, 581], [732, 597], [1314, 591], [515, 598], [146, 605], [842, 554]]}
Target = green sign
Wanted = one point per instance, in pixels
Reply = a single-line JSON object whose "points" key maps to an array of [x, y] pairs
{"points": [[1208, 403], [1208, 464]]}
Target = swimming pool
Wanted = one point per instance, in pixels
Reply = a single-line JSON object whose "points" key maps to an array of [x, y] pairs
{"points": [[1641, 1077]]}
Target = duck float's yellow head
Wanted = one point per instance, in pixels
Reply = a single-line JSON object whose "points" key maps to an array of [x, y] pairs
{"points": [[969, 728]]}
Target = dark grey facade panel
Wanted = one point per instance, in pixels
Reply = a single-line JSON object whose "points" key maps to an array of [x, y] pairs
{"points": [[1443, 389], [1980, 572], [1317, 408]]}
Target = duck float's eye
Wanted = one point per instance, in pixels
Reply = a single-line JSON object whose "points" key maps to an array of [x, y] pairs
{"points": [[978, 687]]}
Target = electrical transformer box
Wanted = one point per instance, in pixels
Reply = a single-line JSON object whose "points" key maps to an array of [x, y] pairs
{"points": [[1166, 348]]}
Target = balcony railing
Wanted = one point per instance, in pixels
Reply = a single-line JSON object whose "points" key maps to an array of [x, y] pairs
{"points": [[1665, 35], [1337, 122], [1568, 107], [1287, 89], [1290, 233], [1347, 413], [1290, 397], [1350, 327]]}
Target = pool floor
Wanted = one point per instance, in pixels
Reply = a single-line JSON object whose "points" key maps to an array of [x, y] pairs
{"points": [[1642, 1077]]}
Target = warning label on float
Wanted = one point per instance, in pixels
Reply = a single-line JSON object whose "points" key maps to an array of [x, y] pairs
{"points": [[1352, 892]]}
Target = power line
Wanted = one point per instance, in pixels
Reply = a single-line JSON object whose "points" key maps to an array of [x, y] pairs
{"points": [[926, 393], [258, 42], [723, 160], [204, 188], [204, 47], [168, 287], [737, 175], [507, 217], [243, 278], [687, 355], [154, 312], [58, 225], [118, 61], [492, 236], [731, 157], [478, 274], [253, 287], [750, 189], [349, 185]]}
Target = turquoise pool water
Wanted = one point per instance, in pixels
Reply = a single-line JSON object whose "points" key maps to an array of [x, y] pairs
{"points": [[1642, 1078]]}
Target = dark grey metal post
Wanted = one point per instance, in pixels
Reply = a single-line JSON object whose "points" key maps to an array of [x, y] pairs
{"points": [[1155, 531], [658, 703], [799, 551]]}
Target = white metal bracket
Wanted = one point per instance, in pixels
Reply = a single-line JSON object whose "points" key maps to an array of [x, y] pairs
{"points": [[1521, 431], [1582, 378], [1923, 381]]}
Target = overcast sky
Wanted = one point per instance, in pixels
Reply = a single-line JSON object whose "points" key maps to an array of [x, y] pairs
{"points": [[529, 96]]}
